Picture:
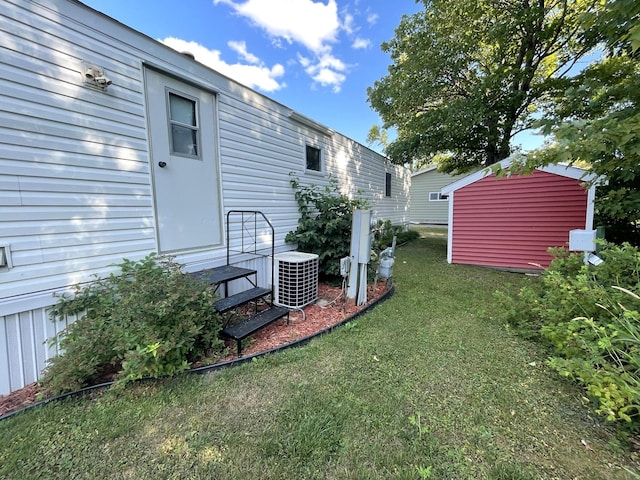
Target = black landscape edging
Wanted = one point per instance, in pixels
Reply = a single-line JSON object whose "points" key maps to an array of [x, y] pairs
{"points": [[216, 366]]}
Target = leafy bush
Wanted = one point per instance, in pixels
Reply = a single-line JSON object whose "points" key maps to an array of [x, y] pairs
{"points": [[147, 320], [604, 356], [324, 227], [590, 318], [384, 232]]}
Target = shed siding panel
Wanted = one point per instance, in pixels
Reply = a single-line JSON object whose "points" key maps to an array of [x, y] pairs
{"points": [[512, 221]]}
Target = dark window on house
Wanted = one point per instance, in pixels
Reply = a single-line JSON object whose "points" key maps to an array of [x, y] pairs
{"points": [[387, 185], [313, 159]]}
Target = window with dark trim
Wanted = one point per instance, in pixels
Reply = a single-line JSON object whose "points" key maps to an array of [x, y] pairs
{"points": [[314, 159], [437, 197], [387, 185]]}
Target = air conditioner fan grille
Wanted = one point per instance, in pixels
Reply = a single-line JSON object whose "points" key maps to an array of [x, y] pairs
{"points": [[296, 279]]}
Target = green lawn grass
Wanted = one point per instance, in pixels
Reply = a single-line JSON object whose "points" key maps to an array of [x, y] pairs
{"points": [[427, 385]]}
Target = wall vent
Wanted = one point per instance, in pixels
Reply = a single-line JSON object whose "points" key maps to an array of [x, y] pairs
{"points": [[296, 279]]}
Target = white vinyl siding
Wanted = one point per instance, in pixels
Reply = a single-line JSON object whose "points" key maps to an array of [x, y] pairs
{"points": [[76, 195], [24, 349], [85, 200]]}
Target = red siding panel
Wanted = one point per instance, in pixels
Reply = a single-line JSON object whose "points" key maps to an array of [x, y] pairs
{"points": [[512, 221]]}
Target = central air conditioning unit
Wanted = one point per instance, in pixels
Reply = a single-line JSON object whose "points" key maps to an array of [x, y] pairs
{"points": [[296, 279]]}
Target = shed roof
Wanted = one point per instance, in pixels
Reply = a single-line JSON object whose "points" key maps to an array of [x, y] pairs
{"points": [[424, 170], [562, 170]]}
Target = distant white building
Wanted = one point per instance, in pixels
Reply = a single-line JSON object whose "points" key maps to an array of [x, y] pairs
{"points": [[113, 145], [428, 205]]}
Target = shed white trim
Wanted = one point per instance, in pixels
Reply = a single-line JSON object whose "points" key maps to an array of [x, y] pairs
{"points": [[450, 229], [563, 170]]}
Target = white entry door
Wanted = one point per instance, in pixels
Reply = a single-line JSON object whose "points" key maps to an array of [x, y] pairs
{"points": [[182, 127]]}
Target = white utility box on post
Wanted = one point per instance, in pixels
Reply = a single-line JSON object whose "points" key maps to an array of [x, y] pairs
{"points": [[360, 255], [582, 240]]}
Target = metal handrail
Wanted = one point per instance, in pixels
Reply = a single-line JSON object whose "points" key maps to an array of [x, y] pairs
{"points": [[252, 215]]}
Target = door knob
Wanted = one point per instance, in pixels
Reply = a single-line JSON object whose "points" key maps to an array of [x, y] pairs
{"points": [[162, 164]]}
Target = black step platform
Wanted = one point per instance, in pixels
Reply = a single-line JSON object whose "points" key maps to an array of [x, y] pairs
{"points": [[223, 274], [233, 301], [252, 324]]}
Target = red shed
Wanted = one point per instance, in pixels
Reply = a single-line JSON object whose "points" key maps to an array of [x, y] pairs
{"points": [[511, 221]]}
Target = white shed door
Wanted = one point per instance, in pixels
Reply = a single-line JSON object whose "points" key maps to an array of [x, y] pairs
{"points": [[184, 165]]}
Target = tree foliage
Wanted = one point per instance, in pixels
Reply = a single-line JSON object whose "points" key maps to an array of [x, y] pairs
{"points": [[467, 75], [594, 118]]}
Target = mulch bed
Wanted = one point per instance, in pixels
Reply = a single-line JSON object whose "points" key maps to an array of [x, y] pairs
{"points": [[330, 309]]}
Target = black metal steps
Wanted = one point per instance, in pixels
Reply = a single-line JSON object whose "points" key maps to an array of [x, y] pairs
{"points": [[223, 274], [233, 301], [252, 324]]}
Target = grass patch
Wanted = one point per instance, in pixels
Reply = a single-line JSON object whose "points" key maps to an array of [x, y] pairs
{"points": [[428, 385]]}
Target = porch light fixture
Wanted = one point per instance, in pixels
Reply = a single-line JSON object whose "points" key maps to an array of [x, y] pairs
{"points": [[95, 76]]}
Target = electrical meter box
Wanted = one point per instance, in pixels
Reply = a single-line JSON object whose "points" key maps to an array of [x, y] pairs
{"points": [[582, 240]]}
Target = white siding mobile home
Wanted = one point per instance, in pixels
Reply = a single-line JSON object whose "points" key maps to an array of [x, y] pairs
{"points": [[151, 163]]}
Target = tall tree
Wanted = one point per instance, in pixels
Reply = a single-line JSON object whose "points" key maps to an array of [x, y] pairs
{"points": [[594, 118], [467, 75]]}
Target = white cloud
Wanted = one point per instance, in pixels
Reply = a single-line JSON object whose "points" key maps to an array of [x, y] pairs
{"points": [[329, 78], [348, 23], [361, 43], [257, 75], [241, 49], [372, 18], [328, 71], [313, 24]]}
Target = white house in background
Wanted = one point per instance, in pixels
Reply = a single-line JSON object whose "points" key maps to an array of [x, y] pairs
{"points": [[428, 205], [113, 146]]}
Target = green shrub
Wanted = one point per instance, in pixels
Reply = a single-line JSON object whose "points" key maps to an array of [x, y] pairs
{"points": [[383, 234], [589, 317], [324, 227], [147, 320], [603, 355]]}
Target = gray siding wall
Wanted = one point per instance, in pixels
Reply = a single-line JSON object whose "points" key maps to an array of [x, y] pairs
{"points": [[75, 184], [422, 209]]}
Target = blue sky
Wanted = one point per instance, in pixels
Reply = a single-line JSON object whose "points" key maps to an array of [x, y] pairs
{"points": [[316, 57]]}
